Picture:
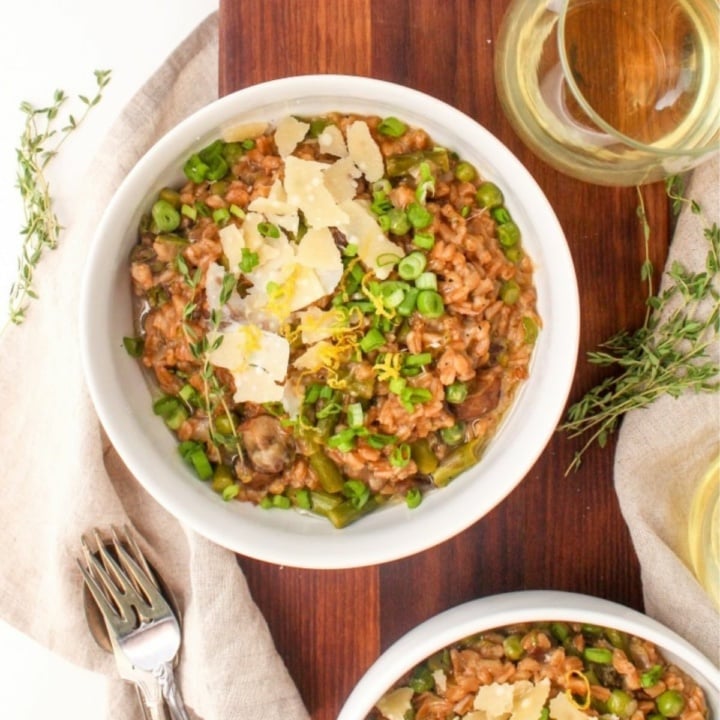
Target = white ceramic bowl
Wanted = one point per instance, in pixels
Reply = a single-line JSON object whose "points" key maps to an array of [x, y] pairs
{"points": [[526, 606], [121, 395]]}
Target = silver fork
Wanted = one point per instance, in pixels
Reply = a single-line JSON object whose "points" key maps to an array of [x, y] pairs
{"points": [[144, 625]]}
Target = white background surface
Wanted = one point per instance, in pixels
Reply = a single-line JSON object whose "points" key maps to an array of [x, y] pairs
{"points": [[47, 45]]}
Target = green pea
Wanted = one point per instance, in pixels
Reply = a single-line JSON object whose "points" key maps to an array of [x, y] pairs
{"points": [[560, 630], [510, 292], [422, 679], [512, 645], [465, 172], [508, 234], [670, 703], [489, 195], [222, 478], [619, 703]]}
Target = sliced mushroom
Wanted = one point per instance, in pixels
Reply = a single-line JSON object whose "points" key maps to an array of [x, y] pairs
{"points": [[484, 398], [268, 447]]}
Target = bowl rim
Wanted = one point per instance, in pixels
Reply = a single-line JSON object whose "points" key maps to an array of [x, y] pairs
{"points": [[501, 609], [348, 547]]}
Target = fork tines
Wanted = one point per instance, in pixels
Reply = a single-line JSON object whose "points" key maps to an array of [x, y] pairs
{"points": [[118, 576]]}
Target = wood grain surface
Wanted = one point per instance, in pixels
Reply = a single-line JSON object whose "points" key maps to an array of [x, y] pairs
{"points": [[552, 531]]}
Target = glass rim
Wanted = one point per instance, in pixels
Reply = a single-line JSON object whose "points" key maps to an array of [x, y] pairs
{"points": [[597, 119]]}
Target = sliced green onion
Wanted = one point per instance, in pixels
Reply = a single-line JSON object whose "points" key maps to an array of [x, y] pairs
{"points": [[400, 456], [412, 265], [344, 440], [355, 416], [418, 359], [267, 229], [413, 497], [237, 211], [249, 260], [379, 440], [397, 385], [385, 259], [407, 306], [350, 250], [651, 676], [372, 340], [411, 396], [420, 217], [328, 410], [188, 211], [171, 410], [221, 216], [392, 293], [357, 492], [426, 281], [165, 216], [424, 240], [195, 169], [430, 304]]}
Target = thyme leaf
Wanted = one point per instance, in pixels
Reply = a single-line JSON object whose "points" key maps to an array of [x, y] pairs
{"points": [[39, 145], [668, 354]]}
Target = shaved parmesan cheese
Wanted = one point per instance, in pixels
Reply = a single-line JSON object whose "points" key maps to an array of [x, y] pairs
{"points": [[256, 385], [364, 151], [332, 142], [440, 679], [257, 359], [316, 357], [233, 241], [289, 133], [317, 324], [530, 699], [362, 230], [522, 700], [396, 703], [307, 288], [278, 212], [305, 188], [246, 131], [496, 700], [562, 708], [317, 249], [340, 179]]}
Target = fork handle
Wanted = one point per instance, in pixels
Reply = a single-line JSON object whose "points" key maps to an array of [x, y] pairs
{"points": [[152, 704], [171, 692]]}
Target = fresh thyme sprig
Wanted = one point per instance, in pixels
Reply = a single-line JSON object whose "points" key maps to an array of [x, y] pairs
{"points": [[213, 396], [668, 355], [40, 143]]}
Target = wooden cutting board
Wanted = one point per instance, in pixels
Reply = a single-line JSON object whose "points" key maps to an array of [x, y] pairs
{"points": [[552, 531]]}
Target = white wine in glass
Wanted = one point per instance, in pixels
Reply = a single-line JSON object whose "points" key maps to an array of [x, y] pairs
{"points": [[614, 92]]}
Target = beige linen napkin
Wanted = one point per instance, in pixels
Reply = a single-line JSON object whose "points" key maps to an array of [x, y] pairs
{"points": [[61, 477], [662, 452]]}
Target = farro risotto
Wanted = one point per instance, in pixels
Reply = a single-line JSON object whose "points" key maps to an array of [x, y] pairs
{"points": [[335, 313], [538, 671]]}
